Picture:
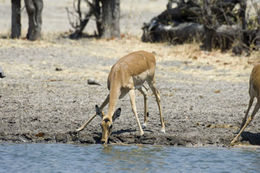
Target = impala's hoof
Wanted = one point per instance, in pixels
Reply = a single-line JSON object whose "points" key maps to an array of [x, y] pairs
{"points": [[144, 125], [163, 129], [232, 143], [141, 133], [78, 130]]}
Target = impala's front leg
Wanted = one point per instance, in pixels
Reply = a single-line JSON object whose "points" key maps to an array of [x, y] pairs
{"points": [[90, 119], [132, 99], [247, 111], [257, 106]]}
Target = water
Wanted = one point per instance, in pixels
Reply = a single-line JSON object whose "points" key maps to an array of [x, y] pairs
{"points": [[97, 158]]}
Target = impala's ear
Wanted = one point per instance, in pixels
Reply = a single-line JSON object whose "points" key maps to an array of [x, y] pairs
{"points": [[116, 114], [98, 111]]}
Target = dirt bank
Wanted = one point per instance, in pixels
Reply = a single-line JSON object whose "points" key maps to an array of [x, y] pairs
{"points": [[45, 95]]}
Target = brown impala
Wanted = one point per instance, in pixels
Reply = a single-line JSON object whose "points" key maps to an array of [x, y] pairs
{"points": [[127, 74], [254, 91]]}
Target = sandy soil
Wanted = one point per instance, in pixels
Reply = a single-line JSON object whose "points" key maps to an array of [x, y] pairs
{"points": [[45, 95]]}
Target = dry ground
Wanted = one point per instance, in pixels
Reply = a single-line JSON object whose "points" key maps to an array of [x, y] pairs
{"points": [[45, 95]]}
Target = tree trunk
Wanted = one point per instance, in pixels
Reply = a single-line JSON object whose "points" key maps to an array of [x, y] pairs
{"points": [[110, 18], [96, 4], [207, 41], [34, 10], [16, 19]]}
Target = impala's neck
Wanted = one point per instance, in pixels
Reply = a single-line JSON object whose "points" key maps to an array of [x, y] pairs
{"points": [[113, 97]]}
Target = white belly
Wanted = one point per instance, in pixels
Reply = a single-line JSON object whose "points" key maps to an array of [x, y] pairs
{"points": [[139, 80]]}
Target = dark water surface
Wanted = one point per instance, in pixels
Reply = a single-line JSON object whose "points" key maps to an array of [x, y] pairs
{"points": [[97, 158]]}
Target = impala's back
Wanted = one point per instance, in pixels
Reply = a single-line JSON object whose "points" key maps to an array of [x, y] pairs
{"points": [[140, 64]]}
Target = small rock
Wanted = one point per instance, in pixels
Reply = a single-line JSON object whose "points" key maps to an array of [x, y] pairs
{"points": [[58, 69], [2, 75], [40, 134], [93, 82], [217, 91]]}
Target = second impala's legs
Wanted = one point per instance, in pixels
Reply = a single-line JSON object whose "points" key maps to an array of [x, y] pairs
{"points": [[250, 118], [132, 100], [144, 93], [247, 111], [158, 100]]}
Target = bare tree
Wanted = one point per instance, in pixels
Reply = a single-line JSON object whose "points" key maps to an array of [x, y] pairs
{"points": [[79, 21], [220, 24], [34, 11], [106, 14], [110, 18]]}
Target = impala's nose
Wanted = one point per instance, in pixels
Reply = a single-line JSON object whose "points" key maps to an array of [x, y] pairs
{"points": [[103, 141]]}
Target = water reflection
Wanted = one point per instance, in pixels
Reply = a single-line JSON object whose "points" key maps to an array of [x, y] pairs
{"points": [[179, 159], [133, 158]]}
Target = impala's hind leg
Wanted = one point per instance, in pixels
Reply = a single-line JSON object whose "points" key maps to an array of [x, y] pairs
{"points": [[144, 93], [158, 100]]}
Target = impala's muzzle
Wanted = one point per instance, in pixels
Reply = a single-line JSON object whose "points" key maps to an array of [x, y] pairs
{"points": [[103, 142], [106, 130], [107, 123]]}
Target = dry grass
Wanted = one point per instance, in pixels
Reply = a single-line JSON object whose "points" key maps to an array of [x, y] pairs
{"points": [[189, 55]]}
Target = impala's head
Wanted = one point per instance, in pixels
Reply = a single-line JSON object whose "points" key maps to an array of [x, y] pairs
{"points": [[107, 123]]}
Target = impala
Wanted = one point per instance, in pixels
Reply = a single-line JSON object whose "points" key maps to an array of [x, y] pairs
{"points": [[127, 74], [254, 91]]}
